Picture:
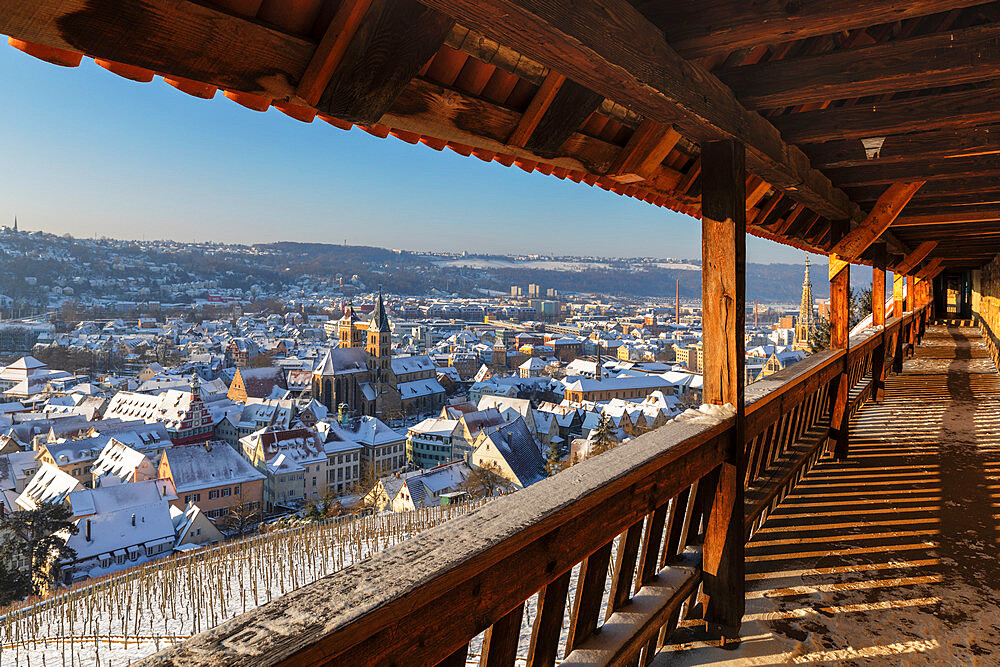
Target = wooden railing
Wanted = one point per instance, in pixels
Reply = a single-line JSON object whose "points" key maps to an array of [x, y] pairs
{"points": [[637, 514]]}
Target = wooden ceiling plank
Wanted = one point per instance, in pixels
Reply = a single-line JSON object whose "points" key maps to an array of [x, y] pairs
{"points": [[395, 40], [648, 146], [699, 28], [915, 257], [939, 59], [887, 209]]}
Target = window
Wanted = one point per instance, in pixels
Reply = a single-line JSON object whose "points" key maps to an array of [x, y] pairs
{"points": [[236, 490], [213, 494], [227, 492], [314, 480]]}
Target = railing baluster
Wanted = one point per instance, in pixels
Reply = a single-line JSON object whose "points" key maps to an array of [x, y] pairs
{"points": [[548, 622], [651, 540], [500, 641], [589, 592], [624, 570], [676, 526]]}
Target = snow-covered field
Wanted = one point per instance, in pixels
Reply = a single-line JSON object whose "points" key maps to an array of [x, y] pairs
{"points": [[551, 264], [133, 614]]}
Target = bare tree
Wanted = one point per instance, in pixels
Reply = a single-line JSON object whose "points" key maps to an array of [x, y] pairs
{"points": [[485, 481], [242, 519]]}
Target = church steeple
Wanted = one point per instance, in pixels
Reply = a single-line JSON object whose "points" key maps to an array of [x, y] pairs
{"points": [[379, 321], [806, 324], [379, 334], [15, 224]]}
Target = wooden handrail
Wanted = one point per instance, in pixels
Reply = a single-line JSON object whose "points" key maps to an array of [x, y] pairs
{"points": [[423, 600]]}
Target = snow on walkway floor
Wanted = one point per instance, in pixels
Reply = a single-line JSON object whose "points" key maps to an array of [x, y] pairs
{"points": [[890, 557], [132, 615]]}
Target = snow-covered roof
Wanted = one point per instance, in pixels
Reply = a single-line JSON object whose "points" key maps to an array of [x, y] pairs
{"points": [[412, 364], [50, 484], [194, 467]]}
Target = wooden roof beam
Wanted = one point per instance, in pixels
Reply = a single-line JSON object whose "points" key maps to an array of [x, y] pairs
{"points": [[177, 38], [698, 28], [628, 60], [939, 169], [888, 207], [917, 147], [953, 110], [984, 214], [940, 59], [915, 257], [394, 41]]}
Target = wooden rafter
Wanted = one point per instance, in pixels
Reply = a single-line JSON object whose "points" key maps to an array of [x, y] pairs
{"points": [[952, 110], [331, 49], [570, 107], [984, 214], [939, 59], [930, 268], [646, 149], [699, 28], [979, 166], [915, 257], [887, 209], [919, 146], [539, 104]]}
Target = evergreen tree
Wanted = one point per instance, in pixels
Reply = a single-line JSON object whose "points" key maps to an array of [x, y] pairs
{"points": [[38, 538], [603, 437], [553, 463]]}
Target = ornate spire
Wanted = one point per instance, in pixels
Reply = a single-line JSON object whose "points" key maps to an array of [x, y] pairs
{"points": [[379, 321], [806, 324]]}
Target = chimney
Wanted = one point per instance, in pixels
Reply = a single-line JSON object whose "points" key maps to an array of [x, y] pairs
{"points": [[133, 520], [87, 526]]}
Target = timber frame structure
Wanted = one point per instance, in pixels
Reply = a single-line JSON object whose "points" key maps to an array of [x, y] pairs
{"points": [[865, 130]]}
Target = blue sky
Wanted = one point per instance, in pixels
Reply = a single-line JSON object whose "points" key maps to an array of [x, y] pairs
{"points": [[91, 154]]}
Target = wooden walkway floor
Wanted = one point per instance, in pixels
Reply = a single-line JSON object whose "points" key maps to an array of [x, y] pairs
{"points": [[893, 556]]}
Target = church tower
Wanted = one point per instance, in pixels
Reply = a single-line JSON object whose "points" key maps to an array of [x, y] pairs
{"points": [[806, 325], [347, 328], [379, 344]]}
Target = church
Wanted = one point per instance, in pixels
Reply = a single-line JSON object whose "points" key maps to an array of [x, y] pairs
{"points": [[363, 375]]}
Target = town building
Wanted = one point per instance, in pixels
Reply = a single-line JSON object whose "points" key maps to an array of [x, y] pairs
{"points": [[214, 477]]}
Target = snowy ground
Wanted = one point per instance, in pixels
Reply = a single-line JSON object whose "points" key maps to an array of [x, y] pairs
{"points": [[124, 618]]}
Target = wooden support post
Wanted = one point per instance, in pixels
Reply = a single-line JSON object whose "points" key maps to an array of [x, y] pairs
{"points": [[911, 305], [723, 252], [897, 295], [840, 322], [878, 284], [878, 319]]}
